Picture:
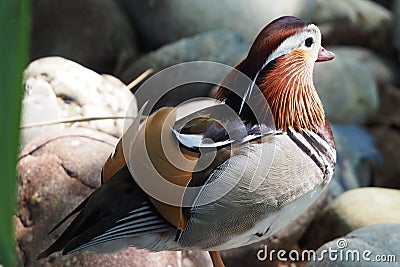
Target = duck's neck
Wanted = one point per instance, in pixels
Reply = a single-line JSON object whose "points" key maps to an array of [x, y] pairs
{"points": [[290, 92]]}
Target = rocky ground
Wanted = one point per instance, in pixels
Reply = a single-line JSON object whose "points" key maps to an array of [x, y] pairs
{"points": [[60, 164]]}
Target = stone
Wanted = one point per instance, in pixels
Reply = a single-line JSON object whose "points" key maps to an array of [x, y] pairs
{"points": [[196, 259], [396, 27], [347, 90], [181, 19], [39, 105], [220, 46], [385, 128], [82, 92], [352, 22], [388, 142], [371, 246], [217, 46], [383, 69], [95, 33], [56, 172], [342, 22], [388, 112], [357, 159], [352, 210], [285, 239]]}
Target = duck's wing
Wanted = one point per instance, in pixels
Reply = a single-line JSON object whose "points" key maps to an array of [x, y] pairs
{"points": [[117, 209], [123, 207], [164, 150]]}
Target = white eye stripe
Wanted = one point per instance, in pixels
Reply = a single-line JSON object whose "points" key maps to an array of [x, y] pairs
{"points": [[289, 44], [294, 42]]}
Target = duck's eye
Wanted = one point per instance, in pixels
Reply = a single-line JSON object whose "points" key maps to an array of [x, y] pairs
{"points": [[309, 41]]}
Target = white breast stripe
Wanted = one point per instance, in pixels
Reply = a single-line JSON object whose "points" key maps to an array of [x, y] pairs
{"points": [[317, 148], [325, 144], [325, 151]]}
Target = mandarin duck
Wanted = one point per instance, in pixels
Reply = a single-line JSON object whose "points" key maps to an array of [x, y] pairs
{"points": [[292, 160]]}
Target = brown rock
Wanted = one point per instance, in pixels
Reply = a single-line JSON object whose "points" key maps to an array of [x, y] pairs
{"points": [[196, 259], [388, 142], [56, 173], [389, 109]]}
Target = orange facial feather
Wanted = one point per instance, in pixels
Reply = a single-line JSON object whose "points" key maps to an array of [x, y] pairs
{"points": [[291, 94]]}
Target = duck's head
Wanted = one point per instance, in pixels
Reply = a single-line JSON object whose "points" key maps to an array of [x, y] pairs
{"points": [[281, 62]]}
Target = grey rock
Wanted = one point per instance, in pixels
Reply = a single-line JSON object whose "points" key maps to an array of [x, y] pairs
{"points": [[352, 22], [217, 46], [396, 26], [357, 158], [388, 141], [389, 110], [161, 22], [82, 92], [352, 210], [95, 33], [39, 105], [347, 90], [383, 69], [372, 246], [221, 46], [56, 172]]}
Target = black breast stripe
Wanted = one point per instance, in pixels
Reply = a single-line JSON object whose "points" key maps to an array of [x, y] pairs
{"points": [[320, 147], [319, 153]]}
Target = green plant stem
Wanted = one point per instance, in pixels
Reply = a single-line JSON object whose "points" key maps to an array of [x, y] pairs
{"points": [[14, 43]]}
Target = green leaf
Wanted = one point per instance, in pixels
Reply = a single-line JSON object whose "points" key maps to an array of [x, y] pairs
{"points": [[14, 43]]}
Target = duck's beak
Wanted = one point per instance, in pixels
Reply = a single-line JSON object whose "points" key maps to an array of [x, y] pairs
{"points": [[325, 55]]}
